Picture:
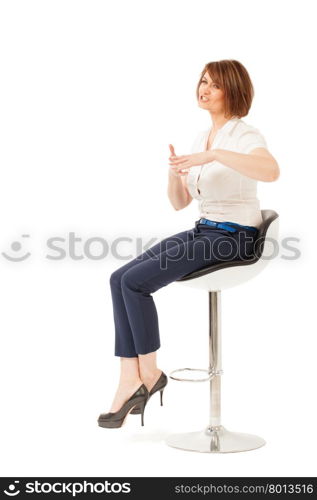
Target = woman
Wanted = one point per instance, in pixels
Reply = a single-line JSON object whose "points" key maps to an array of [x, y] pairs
{"points": [[222, 173]]}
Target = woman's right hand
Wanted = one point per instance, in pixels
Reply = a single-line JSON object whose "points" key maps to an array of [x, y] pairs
{"points": [[173, 169], [177, 191]]}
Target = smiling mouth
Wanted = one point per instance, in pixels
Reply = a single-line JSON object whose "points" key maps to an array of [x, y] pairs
{"points": [[204, 99]]}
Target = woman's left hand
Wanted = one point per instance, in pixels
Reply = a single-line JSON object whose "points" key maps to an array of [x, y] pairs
{"points": [[188, 161]]}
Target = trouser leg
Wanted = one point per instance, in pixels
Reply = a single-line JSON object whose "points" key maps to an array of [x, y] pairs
{"points": [[144, 278], [124, 340]]}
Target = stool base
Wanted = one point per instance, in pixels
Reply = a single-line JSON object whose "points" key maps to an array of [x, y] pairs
{"points": [[215, 440]]}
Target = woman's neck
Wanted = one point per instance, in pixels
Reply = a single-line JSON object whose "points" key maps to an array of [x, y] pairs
{"points": [[218, 121]]}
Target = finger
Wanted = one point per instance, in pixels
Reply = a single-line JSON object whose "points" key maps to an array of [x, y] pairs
{"points": [[172, 150], [177, 162], [174, 158]]}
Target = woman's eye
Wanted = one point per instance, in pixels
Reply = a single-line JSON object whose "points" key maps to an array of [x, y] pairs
{"points": [[214, 85]]}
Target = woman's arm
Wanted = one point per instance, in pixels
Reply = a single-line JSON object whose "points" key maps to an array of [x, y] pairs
{"points": [[177, 191], [258, 164]]}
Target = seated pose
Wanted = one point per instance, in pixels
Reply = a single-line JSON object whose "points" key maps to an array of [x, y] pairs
{"points": [[221, 172]]}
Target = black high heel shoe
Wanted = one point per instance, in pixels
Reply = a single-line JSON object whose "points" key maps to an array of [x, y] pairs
{"points": [[159, 386], [116, 419]]}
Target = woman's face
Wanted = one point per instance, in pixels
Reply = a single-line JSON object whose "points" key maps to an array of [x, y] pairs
{"points": [[211, 97]]}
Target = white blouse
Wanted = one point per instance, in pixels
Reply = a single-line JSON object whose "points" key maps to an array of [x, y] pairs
{"points": [[223, 193]]}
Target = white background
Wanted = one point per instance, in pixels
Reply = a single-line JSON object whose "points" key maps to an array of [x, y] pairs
{"points": [[91, 94]]}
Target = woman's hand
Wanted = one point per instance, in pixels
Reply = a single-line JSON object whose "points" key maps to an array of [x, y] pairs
{"points": [[178, 163], [175, 170]]}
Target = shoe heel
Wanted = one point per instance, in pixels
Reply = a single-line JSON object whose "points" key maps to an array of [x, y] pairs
{"points": [[161, 394], [142, 406]]}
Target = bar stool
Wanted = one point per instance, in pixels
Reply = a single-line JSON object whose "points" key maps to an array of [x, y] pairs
{"points": [[215, 278]]}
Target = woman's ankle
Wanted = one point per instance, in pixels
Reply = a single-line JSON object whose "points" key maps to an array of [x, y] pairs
{"points": [[129, 381], [150, 378]]}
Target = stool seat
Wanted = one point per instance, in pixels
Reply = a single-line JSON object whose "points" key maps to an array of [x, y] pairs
{"points": [[227, 274], [214, 278]]}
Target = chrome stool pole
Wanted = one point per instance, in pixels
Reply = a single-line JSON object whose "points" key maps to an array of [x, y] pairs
{"points": [[214, 438], [215, 357]]}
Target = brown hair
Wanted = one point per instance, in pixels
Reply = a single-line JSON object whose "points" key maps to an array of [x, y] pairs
{"points": [[234, 80]]}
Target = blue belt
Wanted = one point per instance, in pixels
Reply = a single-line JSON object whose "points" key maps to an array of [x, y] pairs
{"points": [[225, 225]]}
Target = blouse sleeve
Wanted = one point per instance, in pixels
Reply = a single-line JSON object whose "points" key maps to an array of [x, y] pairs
{"points": [[250, 140]]}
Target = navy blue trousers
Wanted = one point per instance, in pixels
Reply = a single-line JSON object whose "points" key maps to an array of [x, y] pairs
{"points": [[135, 315]]}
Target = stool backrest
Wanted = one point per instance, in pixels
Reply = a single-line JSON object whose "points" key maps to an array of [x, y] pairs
{"points": [[267, 235], [227, 274]]}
